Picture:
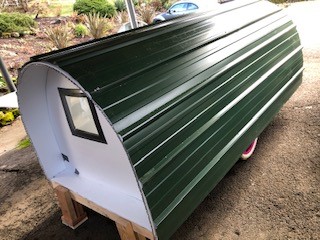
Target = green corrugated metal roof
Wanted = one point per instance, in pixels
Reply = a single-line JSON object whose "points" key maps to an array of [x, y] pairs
{"points": [[188, 96]]}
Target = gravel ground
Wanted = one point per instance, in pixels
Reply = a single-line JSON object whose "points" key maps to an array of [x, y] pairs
{"points": [[275, 195]]}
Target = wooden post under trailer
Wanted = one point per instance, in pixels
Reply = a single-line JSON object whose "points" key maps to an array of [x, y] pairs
{"points": [[73, 215]]}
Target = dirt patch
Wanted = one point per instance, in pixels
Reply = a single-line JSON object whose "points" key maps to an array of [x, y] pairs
{"points": [[17, 51], [275, 195], [11, 135]]}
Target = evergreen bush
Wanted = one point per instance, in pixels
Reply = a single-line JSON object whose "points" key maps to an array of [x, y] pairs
{"points": [[15, 22], [103, 7], [120, 5], [7, 116], [279, 1], [80, 30]]}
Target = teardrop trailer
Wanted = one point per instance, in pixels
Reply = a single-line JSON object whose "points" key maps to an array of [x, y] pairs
{"points": [[141, 126]]}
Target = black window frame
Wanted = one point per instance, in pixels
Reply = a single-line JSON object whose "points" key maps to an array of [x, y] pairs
{"points": [[77, 132]]}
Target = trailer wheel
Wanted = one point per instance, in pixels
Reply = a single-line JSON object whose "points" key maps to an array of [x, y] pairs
{"points": [[249, 151]]}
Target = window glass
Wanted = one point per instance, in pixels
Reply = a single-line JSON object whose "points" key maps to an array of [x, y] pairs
{"points": [[192, 6], [81, 115], [179, 7]]}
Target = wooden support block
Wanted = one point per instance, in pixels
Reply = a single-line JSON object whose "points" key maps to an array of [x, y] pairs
{"points": [[140, 237], [126, 231], [73, 214]]}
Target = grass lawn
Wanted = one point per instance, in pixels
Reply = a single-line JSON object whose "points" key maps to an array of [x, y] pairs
{"points": [[65, 8]]}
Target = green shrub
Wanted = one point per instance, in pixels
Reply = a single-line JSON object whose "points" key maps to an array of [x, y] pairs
{"points": [[103, 7], [279, 1], [15, 22], [80, 30], [120, 5], [9, 27], [15, 112], [7, 116]]}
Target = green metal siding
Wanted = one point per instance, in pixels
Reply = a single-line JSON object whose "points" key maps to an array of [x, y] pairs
{"points": [[187, 97]]}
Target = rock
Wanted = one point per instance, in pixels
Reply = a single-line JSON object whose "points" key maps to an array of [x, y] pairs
{"points": [[3, 166], [6, 53], [6, 35], [27, 33], [58, 21], [15, 35]]}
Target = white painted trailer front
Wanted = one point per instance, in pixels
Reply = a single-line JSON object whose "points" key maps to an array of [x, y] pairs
{"points": [[101, 171]]}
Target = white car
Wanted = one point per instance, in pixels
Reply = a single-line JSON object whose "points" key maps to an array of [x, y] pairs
{"points": [[185, 7]]}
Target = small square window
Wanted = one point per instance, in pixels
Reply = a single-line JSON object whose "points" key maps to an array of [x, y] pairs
{"points": [[81, 115]]}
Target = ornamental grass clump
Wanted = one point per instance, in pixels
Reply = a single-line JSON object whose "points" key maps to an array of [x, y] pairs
{"points": [[122, 17], [97, 25], [146, 13], [59, 35]]}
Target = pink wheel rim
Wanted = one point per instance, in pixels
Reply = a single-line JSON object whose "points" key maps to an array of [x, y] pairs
{"points": [[249, 151], [251, 147]]}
